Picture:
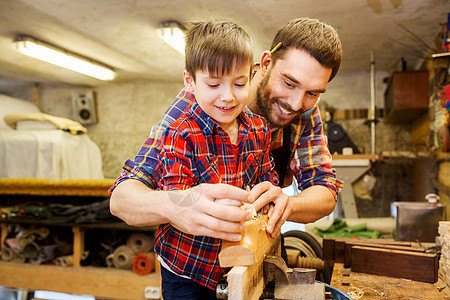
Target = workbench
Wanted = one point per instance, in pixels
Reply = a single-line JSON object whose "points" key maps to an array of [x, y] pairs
{"points": [[369, 286]]}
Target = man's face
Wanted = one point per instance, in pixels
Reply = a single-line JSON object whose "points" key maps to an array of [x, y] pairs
{"points": [[290, 87]]}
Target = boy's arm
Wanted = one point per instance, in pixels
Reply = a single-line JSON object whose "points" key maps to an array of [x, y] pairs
{"points": [[141, 206], [193, 211]]}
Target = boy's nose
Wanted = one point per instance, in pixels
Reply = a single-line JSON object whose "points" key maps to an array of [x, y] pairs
{"points": [[227, 94]]}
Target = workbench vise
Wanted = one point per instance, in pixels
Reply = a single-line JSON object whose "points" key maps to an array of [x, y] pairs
{"points": [[281, 282], [258, 271]]}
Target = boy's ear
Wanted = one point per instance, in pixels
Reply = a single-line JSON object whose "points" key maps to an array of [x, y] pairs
{"points": [[266, 60], [188, 81]]}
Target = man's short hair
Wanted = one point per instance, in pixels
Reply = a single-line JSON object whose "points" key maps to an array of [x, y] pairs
{"points": [[318, 39], [217, 47]]}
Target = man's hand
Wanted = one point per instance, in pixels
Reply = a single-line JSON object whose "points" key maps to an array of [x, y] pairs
{"points": [[210, 210], [272, 199]]}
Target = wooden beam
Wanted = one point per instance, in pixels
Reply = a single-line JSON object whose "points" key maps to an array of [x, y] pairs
{"points": [[395, 263]]}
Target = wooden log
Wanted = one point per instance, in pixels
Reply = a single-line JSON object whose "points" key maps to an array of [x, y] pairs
{"points": [[395, 263], [254, 244]]}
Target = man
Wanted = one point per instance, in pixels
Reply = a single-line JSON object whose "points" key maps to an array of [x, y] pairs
{"points": [[285, 90]]}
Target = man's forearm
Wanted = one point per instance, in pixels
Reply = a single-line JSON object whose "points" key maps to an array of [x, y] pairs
{"points": [[312, 204], [138, 205]]}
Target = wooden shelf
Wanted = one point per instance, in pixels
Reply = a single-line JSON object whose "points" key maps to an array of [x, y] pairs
{"points": [[48, 187], [100, 282]]}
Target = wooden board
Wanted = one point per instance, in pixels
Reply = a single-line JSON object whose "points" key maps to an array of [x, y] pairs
{"points": [[334, 248], [349, 246], [375, 287], [247, 282], [394, 263], [254, 245], [100, 282]]}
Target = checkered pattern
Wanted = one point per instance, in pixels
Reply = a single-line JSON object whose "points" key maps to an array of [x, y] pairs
{"points": [[196, 150], [310, 163]]}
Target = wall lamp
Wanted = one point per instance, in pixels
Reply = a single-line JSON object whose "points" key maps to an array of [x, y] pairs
{"points": [[49, 53], [172, 33]]}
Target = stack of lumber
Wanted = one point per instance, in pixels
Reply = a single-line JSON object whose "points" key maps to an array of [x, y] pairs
{"points": [[391, 258], [444, 241]]}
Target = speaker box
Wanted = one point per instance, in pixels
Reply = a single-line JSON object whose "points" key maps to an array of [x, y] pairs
{"points": [[84, 109]]}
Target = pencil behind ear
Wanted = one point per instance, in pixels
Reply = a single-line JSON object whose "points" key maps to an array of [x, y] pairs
{"points": [[188, 81]]}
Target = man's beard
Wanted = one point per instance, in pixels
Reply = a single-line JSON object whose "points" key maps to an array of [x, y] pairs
{"points": [[264, 102]]}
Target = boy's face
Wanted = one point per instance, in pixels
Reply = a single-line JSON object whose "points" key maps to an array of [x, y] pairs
{"points": [[222, 97]]}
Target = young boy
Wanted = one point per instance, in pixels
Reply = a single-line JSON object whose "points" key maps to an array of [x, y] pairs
{"points": [[216, 140]]}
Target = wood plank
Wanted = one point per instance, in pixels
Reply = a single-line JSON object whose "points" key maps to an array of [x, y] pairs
{"points": [[100, 282], [334, 248], [375, 287], [247, 282], [254, 245], [349, 246], [395, 263]]}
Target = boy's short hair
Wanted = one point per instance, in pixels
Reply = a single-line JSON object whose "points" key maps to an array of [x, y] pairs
{"points": [[217, 47], [318, 39]]}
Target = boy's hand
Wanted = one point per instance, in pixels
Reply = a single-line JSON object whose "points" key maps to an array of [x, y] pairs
{"points": [[210, 210], [272, 200]]}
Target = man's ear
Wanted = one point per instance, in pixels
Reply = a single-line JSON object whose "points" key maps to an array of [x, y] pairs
{"points": [[266, 60], [188, 81]]}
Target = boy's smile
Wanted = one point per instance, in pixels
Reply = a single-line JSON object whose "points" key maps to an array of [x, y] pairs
{"points": [[222, 97]]}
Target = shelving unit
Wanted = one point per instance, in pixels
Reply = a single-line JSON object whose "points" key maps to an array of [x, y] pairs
{"points": [[100, 282]]}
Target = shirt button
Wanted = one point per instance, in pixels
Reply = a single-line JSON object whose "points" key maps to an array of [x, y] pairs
{"points": [[231, 172]]}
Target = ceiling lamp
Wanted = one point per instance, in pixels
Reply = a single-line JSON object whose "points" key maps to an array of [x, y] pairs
{"points": [[63, 58], [171, 32]]}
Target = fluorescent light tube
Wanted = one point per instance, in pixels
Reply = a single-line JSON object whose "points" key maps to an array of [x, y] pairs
{"points": [[63, 58], [171, 33]]}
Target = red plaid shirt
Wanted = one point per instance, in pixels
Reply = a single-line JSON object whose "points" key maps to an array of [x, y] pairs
{"points": [[310, 157], [197, 150]]}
